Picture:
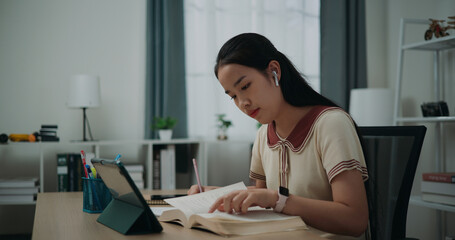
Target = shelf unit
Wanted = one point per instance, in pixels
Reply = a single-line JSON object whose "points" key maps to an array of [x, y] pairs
{"points": [[96, 145], [436, 46], [417, 200]]}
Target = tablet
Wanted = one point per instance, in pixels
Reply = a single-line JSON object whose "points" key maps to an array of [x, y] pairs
{"points": [[128, 212]]}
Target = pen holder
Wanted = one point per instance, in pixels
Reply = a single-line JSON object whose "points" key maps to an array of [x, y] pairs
{"points": [[96, 195]]}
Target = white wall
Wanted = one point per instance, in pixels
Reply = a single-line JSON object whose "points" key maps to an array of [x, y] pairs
{"points": [[233, 157], [376, 45], [42, 44], [383, 22]]}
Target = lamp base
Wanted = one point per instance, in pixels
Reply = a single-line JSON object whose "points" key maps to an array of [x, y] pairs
{"points": [[84, 124]]}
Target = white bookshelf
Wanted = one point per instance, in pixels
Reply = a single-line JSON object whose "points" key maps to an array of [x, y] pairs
{"points": [[417, 201], [436, 46], [43, 147]]}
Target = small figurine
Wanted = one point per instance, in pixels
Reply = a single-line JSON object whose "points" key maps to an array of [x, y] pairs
{"points": [[438, 29]]}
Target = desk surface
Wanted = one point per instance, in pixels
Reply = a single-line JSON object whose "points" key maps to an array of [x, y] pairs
{"points": [[60, 216]]}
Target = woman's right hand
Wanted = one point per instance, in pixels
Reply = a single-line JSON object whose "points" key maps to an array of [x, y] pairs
{"points": [[195, 189]]}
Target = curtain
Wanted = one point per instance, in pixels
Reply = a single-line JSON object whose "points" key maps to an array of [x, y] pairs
{"points": [[165, 65], [343, 49], [291, 25]]}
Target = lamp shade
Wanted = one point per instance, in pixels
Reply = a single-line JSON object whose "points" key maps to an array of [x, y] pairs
{"points": [[84, 92], [372, 106]]}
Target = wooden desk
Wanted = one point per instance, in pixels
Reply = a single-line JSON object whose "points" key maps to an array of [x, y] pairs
{"points": [[59, 216]]}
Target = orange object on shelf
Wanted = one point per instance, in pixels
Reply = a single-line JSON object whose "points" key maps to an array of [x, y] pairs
{"points": [[22, 137]]}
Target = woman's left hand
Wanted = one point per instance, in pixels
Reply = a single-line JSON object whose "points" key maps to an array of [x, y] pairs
{"points": [[241, 200]]}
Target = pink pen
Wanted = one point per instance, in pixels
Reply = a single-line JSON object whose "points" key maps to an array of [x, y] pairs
{"points": [[197, 175]]}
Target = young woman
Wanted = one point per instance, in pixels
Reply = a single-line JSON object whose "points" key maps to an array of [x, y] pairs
{"points": [[307, 159]]}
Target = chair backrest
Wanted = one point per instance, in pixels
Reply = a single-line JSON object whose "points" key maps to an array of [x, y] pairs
{"points": [[391, 155]]}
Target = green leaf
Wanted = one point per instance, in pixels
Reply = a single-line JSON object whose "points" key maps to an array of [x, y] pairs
{"points": [[164, 123], [223, 123]]}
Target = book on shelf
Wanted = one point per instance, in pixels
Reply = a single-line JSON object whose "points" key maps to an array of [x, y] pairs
{"points": [[18, 182], [156, 183], [448, 177], [69, 172], [49, 127], [48, 133], [136, 172], [132, 168], [50, 139], [192, 212], [62, 173], [439, 198], [18, 190], [136, 176], [438, 188], [75, 170], [167, 167], [156, 168], [18, 198], [139, 184]]}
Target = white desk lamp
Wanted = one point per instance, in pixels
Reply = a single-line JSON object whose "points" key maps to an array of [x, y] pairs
{"points": [[372, 106], [84, 92]]}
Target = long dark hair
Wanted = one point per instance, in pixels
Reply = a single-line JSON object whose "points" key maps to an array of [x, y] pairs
{"points": [[255, 51]]}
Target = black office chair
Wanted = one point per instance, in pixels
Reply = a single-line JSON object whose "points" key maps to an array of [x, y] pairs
{"points": [[391, 155]]}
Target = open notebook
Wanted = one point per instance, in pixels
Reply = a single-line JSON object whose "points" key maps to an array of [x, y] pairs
{"points": [[192, 212]]}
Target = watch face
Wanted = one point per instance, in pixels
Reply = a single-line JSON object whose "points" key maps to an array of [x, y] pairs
{"points": [[284, 191]]}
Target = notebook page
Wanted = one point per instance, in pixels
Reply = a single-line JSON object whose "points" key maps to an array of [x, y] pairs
{"points": [[159, 210], [201, 202]]}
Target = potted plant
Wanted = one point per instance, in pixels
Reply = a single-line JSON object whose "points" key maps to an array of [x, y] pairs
{"points": [[164, 125], [223, 126]]}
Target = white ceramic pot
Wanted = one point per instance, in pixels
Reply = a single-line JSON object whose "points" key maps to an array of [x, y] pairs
{"points": [[165, 134], [222, 134]]}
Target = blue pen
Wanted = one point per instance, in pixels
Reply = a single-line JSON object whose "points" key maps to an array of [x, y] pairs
{"points": [[89, 171], [118, 157]]}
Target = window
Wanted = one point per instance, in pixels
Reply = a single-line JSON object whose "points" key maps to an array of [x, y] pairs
{"points": [[291, 25]]}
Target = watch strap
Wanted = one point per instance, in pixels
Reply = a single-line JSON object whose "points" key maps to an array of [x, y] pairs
{"points": [[283, 194]]}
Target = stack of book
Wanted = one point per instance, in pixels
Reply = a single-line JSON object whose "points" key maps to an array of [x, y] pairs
{"points": [[137, 174], [48, 133], [18, 190], [156, 179], [439, 187], [164, 175], [167, 167], [69, 172]]}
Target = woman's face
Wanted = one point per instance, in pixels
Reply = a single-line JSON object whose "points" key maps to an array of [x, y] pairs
{"points": [[254, 93]]}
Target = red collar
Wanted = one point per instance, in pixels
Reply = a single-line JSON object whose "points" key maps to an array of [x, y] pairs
{"points": [[300, 133]]}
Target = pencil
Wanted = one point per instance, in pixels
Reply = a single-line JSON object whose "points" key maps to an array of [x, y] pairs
{"points": [[197, 175]]}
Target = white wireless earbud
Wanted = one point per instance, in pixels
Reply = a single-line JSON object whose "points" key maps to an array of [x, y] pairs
{"points": [[276, 78]]}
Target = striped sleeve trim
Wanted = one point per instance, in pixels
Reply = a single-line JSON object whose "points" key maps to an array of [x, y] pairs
{"points": [[348, 165], [257, 176]]}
